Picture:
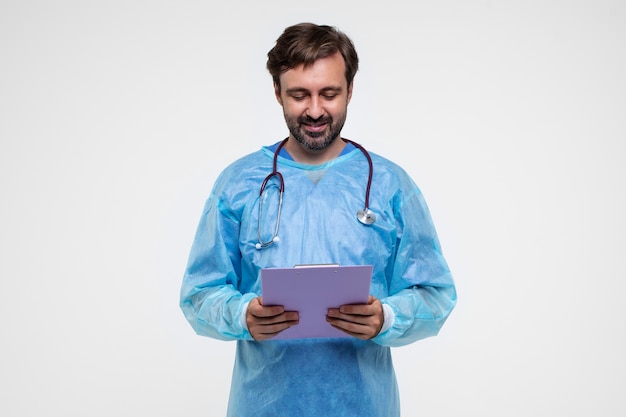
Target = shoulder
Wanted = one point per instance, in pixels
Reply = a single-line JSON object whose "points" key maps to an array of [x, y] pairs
{"points": [[388, 171], [246, 166], [250, 160], [238, 181]]}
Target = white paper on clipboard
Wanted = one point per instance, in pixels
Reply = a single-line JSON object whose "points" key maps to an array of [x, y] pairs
{"points": [[311, 291]]}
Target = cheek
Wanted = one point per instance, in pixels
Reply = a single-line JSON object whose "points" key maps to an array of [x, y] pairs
{"points": [[293, 111], [338, 109]]}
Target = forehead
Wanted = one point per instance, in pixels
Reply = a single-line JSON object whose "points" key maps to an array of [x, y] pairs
{"points": [[323, 73]]}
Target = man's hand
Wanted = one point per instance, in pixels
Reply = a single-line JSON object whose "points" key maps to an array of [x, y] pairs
{"points": [[362, 321], [265, 322]]}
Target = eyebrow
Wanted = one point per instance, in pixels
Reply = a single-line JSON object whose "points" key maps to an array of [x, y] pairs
{"points": [[294, 90]]}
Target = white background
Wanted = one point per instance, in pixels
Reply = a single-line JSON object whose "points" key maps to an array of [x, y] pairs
{"points": [[116, 117]]}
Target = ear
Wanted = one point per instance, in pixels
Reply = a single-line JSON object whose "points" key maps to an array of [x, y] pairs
{"points": [[350, 91], [277, 93]]}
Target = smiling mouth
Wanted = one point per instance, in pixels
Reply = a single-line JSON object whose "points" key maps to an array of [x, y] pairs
{"points": [[315, 128]]}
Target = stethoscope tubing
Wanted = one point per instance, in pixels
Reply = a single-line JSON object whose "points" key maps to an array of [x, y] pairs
{"points": [[370, 174], [281, 181], [365, 215]]}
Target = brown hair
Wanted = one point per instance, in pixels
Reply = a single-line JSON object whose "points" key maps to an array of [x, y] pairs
{"points": [[305, 43]]}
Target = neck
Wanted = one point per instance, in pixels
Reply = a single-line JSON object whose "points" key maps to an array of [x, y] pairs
{"points": [[314, 157]]}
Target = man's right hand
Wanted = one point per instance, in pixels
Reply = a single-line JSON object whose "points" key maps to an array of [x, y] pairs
{"points": [[265, 322]]}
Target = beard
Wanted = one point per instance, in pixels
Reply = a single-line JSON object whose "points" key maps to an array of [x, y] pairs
{"points": [[316, 141]]}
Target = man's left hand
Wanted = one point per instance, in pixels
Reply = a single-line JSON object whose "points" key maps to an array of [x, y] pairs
{"points": [[362, 321]]}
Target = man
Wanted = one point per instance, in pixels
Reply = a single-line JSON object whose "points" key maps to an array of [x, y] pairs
{"points": [[325, 183]]}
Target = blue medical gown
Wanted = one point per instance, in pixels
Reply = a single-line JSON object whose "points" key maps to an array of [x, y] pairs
{"points": [[316, 377]]}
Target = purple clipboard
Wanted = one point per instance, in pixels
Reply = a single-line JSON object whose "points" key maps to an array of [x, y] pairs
{"points": [[311, 291]]}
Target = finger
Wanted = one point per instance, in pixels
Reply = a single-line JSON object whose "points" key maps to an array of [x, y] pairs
{"points": [[286, 316], [259, 310], [357, 330], [268, 312], [349, 318], [273, 329], [371, 308], [360, 314], [263, 329]]}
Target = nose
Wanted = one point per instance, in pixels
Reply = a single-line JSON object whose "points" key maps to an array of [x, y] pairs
{"points": [[315, 109]]}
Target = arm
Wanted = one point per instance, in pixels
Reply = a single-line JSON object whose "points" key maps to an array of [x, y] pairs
{"points": [[210, 297], [415, 292], [418, 313], [367, 321], [422, 293]]}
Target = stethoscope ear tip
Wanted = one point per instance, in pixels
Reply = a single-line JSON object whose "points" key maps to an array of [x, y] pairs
{"points": [[266, 244]]}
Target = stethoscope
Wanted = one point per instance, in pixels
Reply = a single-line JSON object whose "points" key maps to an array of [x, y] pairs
{"points": [[364, 215]]}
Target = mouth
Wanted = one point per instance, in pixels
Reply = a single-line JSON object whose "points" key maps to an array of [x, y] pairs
{"points": [[315, 128]]}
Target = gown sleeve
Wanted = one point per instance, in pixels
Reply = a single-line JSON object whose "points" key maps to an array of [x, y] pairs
{"points": [[422, 293], [209, 297]]}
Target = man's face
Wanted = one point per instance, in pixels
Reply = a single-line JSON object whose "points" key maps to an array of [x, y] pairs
{"points": [[315, 101]]}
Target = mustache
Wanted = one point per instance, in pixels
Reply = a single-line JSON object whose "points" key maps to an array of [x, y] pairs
{"points": [[308, 120]]}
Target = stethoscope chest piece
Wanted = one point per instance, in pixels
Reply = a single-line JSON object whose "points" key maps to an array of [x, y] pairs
{"points": [[366, 216]]}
